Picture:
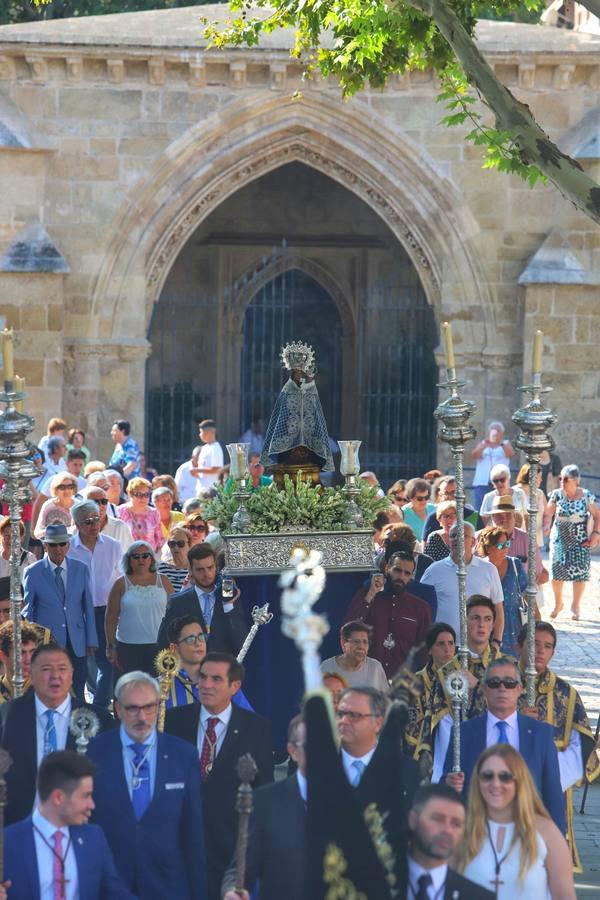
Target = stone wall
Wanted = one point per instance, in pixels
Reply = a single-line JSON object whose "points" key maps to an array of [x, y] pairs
{"points": [[136, 135]]}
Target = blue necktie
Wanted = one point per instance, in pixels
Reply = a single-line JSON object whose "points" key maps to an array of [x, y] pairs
{"points": [[140, 795], [60, 585], [359, 767], [503, 739], [50, 743], [207, 611]]}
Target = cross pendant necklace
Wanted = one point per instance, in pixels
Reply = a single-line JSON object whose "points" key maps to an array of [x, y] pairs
{"points": [[62, 882], [496, 882]]}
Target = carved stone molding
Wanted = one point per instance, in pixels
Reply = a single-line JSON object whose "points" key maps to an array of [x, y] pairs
{"points": [[156, 71], [8, 68], [165, 255], [106, 348], [74, 68], [116, 70], [39, 68]]}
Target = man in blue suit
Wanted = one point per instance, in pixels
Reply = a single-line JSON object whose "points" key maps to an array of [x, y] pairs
{"points": [[58, 596], [54, 848], [147, 796], [502, 687]]}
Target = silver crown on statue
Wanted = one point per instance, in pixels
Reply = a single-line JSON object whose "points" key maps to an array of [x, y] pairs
{"points": [[298, 356]]}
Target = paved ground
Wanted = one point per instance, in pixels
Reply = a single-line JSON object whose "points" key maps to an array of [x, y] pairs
{"points": [[577, 659]]}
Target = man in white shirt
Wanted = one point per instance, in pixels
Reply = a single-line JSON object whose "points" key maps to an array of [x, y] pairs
{"points": [[54, 463], [210, 460], [360, 714], [55, 846], [482, 578], [111, 527], [185, 481], [102, 555], [436, 824]]}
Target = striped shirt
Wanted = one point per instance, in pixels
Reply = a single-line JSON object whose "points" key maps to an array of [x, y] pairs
{"points": [[176, 576]]}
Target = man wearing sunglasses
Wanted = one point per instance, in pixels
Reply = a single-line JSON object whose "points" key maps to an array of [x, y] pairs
{"points": [[109, 525], [502, 724], [102, 555], [58, 595]]}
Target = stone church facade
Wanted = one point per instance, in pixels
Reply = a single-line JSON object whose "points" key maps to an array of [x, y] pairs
{"points": [[151, 191]]}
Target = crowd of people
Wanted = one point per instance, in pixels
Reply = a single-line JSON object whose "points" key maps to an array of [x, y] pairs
{"points": [[119, 562]]}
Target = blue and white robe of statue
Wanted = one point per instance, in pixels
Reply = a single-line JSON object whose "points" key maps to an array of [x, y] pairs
{"points": [[297, 420]]}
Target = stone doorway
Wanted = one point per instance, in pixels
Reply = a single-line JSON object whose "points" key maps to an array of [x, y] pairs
{"points": [[367, 305]]}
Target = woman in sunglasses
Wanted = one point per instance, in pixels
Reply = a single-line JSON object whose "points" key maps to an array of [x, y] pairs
{"points": [[417, 510], [143, 519], [57, 508], [197, 527], [177, 571], [495, 545], [136, 607], [512, 847]]}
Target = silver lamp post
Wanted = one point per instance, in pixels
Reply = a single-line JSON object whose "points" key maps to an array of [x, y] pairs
{"points": [[238, 468], [534, 419], [454, 414], [17, 471]]}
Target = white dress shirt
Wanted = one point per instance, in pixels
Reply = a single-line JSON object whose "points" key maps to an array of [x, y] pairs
{"points": [[440, 747], [570, 762], [211, 456], [348, 761], [438, 879], [302, 785], [45, 858], [61, 724], [482, 578], [103, 563], [128, 757], [185, 481], [207, 600], [120, 531], [220, 728], [492, 733]]}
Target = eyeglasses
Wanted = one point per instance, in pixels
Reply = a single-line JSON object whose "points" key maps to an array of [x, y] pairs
{"points": [[141, 556], [101, 501], [356, 642], [93, 520], [65, 487], [353, 716], [179, 544], [499, 480], [197, 528], [501, 545], [136, 710], [509, 683], [139, 495], [192, 639], [503, 777], [423, 497], [57, 543]]}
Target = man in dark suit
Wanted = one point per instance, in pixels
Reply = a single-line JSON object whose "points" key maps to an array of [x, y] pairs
{"points": [[222, 732], [147, 796], [58, 596], [436, 824], [222, 618], [277, 838], [57, 831], [502, 687], [37, 724]]}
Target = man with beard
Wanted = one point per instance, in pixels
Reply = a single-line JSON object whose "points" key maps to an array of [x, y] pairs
{"points": [[400, 621], [436, 824]]}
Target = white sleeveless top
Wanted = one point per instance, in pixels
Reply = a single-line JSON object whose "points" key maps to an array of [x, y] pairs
{"points": [[142, 610], [482, 869]]}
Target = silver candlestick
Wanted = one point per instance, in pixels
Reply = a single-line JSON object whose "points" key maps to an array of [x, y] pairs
{"points": [[84, 726], [534, 419], [238, 468], [457, 687], [350, 468], [260, 616], [17, 471], [454, 414]]}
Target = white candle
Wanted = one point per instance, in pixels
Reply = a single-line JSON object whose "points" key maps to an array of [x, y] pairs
{"points": [[241, 464], [448, 345], [351, 464], [7, 352], [19, 388], [538, 346]]}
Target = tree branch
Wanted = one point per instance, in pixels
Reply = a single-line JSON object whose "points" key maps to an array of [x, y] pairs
{"points": [[513, 116]]}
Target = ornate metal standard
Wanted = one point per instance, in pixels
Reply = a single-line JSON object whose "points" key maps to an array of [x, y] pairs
{"points": [[84, 726], [534, 420], [238, 469], [454, 414], [350, 467], [246, 770], [17, 471], [167, 664], [260, 616], [457, 686]]}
